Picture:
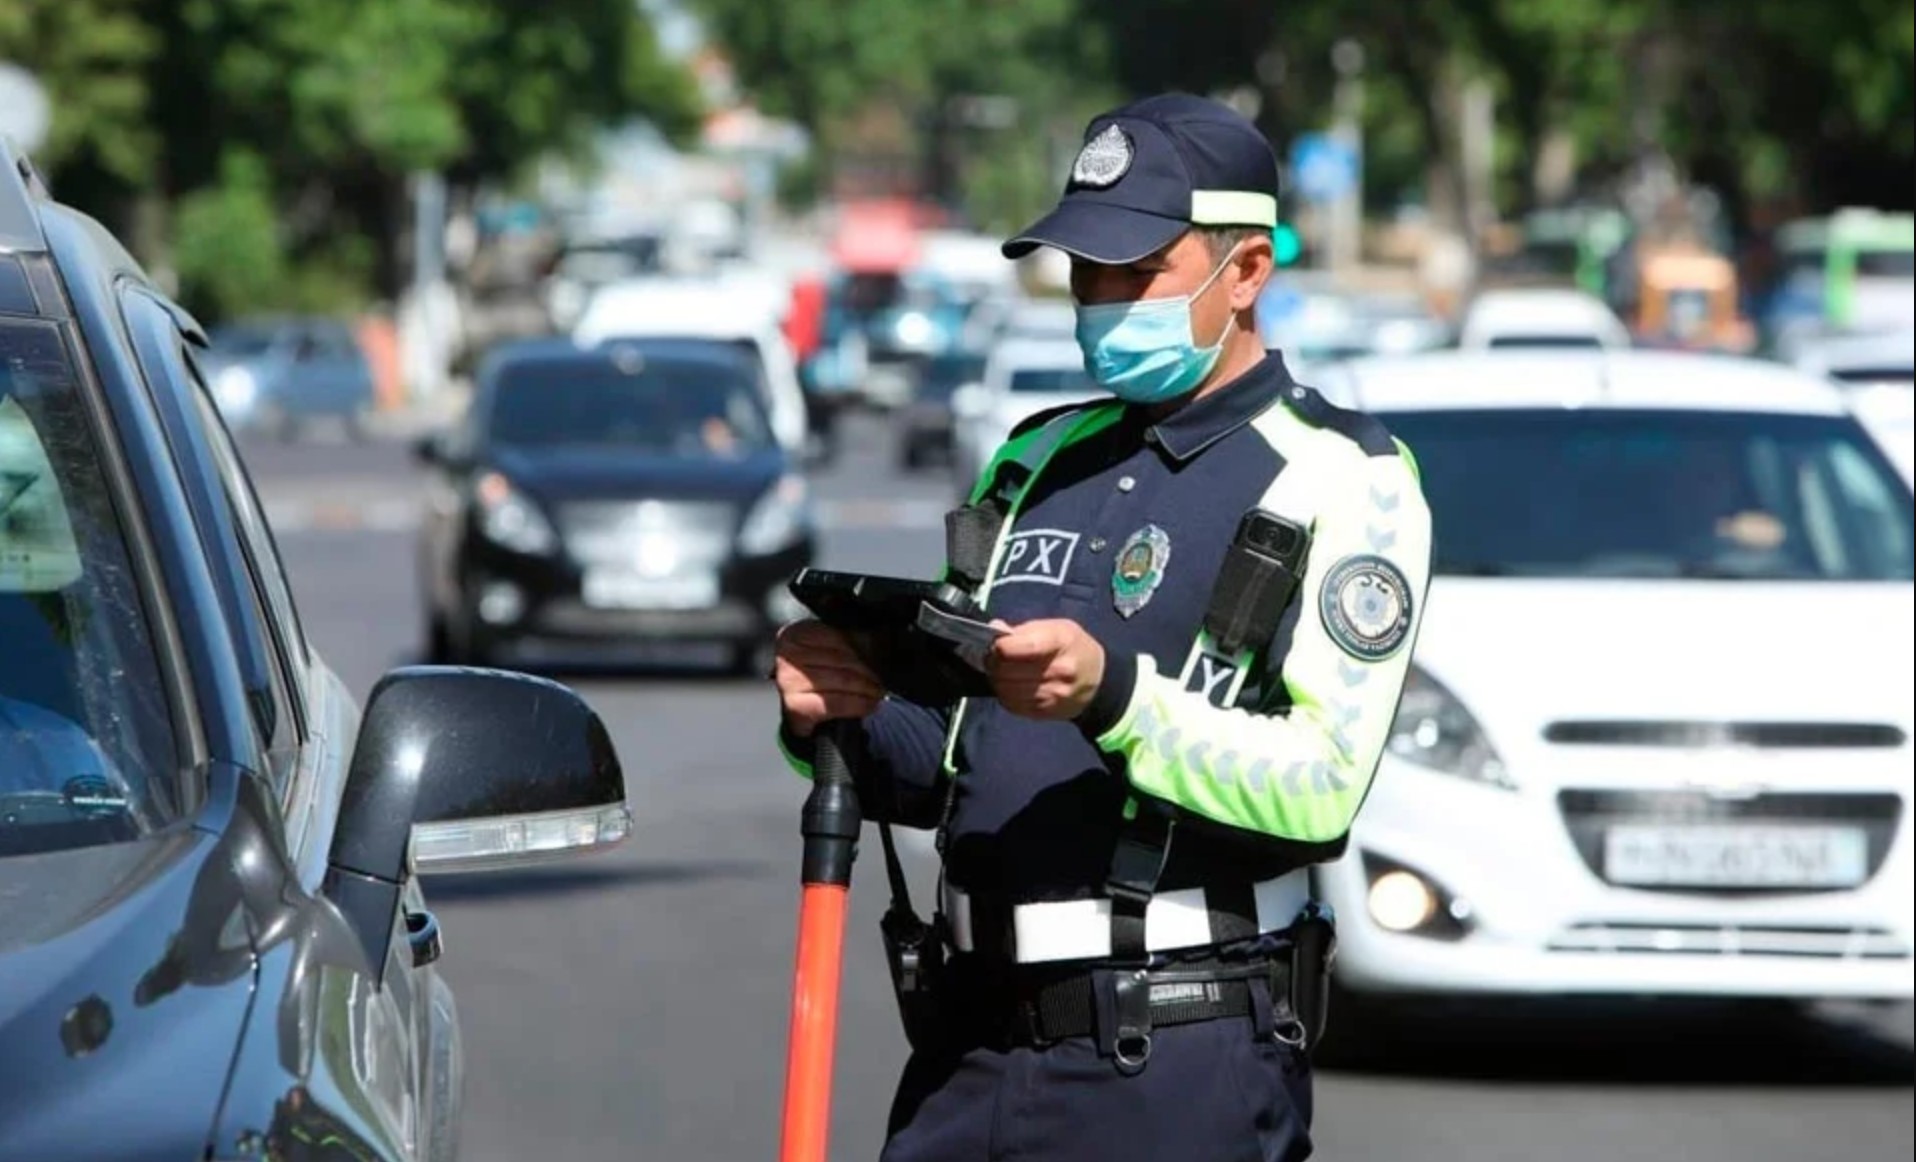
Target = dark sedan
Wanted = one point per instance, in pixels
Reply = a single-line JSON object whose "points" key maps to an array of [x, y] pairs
{"points": [[596, 498], [924, 425], [213, 939]]}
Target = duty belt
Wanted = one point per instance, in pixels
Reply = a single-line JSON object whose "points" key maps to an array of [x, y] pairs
{"points": [[1081, 929], [1036, 1012]]}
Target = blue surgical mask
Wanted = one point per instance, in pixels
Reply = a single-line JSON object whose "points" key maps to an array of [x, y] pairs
{"points": [[1144, 351]]}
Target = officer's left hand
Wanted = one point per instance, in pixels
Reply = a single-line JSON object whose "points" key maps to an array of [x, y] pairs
{"points": [[1046, 669]]}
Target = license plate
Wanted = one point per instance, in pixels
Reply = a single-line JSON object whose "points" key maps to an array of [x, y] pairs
{"points": [[1736, 857], [619, 589]]}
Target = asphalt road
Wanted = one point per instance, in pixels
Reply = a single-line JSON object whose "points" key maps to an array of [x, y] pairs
{"points": [[631, 1007]]}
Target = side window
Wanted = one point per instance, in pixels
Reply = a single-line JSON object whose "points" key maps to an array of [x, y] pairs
{"points": [[270, 678], [260, 545], [309, 346]]}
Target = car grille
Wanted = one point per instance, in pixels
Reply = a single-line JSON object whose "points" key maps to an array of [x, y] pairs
{"points": [[1732, 940], [616, 532], [1698, 735], [1590, 814]]}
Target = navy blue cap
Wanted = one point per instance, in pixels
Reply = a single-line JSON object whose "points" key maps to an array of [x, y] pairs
{"points": [[1151, 170]]}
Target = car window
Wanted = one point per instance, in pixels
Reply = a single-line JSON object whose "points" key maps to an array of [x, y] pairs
{"points": [[1544, 342], [241, 341], [1886, 263], [161, 351], [1653, 494], [1876, 376], [664, 407], [261, 546], [1051, 381], [89, 752]]}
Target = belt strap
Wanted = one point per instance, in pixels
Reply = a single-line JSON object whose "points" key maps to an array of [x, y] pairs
{"points": [[1068, 1007], [1081, 929]]}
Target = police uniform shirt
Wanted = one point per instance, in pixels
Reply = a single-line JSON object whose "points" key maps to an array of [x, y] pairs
{"points": [[1124, 531]]}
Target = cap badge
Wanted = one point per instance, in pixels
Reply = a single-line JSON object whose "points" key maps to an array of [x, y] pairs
{"points": [[1104, 159], [1139, 569]]}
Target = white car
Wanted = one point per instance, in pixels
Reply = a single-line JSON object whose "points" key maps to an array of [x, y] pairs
{"points": [[1540, 318], [1878, 376], [1021, 378], [672, 308], [1656, 737]]}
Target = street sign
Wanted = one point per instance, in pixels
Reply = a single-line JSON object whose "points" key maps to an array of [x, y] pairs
{"points": [[1323, 168], [25, 113]]}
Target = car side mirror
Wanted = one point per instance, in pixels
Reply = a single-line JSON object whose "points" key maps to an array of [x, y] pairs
{"points": [[459, 770]]}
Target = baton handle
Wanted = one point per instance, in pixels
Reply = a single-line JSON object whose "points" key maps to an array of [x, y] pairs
{"points": [[831, 819]]}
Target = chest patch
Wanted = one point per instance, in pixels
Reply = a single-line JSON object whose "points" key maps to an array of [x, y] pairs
{"points": [[1040, 556]]}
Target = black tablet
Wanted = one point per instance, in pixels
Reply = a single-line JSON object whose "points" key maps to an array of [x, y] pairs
{"points": [[924, 639]]}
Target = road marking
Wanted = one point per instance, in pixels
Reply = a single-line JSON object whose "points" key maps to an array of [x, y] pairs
{"points": [[292, 515]]}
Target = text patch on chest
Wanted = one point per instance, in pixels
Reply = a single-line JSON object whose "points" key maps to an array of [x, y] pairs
{"points": [[1042, 556]]}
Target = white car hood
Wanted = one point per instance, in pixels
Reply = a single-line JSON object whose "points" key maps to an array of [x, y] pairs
{"points": [[1520, 653]]}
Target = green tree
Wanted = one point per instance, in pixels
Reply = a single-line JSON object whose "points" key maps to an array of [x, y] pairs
{"points": [[846, 68], [339, 101], [91, 56]]}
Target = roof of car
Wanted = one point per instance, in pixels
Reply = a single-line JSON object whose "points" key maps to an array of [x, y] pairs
{"points": [[1474, 380], [1845, 352], [1038, 354], [1539, 310], [1041, 317], [672, 306]]}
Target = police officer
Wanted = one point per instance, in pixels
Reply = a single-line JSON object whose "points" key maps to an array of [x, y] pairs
{"points": [[1136, 966]]}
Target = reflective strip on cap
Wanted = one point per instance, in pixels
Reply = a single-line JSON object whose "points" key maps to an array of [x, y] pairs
{"points": [[1232, 208]]}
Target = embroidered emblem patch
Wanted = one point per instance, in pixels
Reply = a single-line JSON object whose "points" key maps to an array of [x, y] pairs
{"points": [[1366, 607], [1104, 159], [1139, 569]]}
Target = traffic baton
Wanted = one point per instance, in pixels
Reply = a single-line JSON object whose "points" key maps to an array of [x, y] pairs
{"points": [[830, 823]]}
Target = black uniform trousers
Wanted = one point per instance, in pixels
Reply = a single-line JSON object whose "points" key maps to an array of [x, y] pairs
{"points": [[1212, 1091]]}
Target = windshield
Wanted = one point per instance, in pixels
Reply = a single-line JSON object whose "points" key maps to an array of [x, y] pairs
{"points": [[1544, 342], [1886, 264], [1876, 376], [698, 409], [945, 374], [87, 749], [242, 342], [1051, 381], [1660, 494]]}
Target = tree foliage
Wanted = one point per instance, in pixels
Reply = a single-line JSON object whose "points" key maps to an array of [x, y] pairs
{"points": [[1764, 98], [301, 119]]}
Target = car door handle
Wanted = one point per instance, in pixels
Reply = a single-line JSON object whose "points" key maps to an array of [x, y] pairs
{"points": [[422, 930]]}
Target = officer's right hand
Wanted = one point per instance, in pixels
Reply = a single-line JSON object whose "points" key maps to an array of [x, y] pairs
{"points": [[820, 678]]}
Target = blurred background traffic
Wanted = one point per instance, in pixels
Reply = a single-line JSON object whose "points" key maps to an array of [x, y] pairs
{"points": [[559, 335]]}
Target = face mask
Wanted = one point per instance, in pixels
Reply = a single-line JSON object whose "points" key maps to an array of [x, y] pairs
{"points": [[1144, 351]]}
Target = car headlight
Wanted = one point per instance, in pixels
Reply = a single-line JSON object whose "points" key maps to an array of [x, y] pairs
{"points": [[914, 331], [781, 516], [235, 389], [510, 520], [1434, 730]]}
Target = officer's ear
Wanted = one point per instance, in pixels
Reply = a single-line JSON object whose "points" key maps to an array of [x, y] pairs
{"points": [[1254, 263]]}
